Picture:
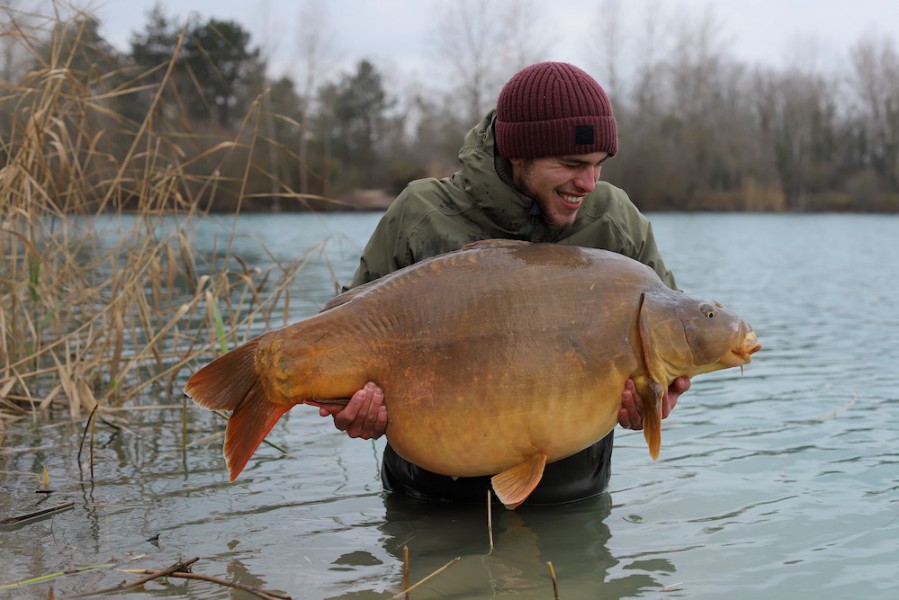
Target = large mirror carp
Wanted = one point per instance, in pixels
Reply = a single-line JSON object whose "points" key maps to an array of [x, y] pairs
{"points": [[494, 359]]}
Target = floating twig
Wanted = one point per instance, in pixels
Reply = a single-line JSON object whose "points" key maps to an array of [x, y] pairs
{"points": [[673, 587], [181, 566], [552, 575], [826, 417], [20, 519], [837, 411], [406, 569], [49, 576], [428, 578], [43, 482], [264, 594], [490, 521], [87, 426]]}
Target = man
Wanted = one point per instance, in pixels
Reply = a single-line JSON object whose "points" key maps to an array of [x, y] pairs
{"points": [[530, 171]]}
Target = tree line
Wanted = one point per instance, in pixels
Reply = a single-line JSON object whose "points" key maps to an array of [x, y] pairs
{"points": [[699, 130]]}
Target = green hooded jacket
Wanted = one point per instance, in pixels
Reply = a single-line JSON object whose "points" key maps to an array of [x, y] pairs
{"points": [[434, 216]]}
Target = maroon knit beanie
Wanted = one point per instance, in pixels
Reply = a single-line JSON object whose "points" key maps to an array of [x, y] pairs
{"points": [[554, 109]]}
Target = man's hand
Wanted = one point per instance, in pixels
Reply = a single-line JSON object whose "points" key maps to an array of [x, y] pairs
{"points": [[365, 416], [631, 413]]}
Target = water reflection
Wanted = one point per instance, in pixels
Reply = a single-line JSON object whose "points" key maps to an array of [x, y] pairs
{"points": [[573, 537], [524, 541]]}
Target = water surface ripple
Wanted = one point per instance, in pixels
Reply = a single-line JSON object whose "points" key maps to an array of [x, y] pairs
{"points": [[780, 483]]}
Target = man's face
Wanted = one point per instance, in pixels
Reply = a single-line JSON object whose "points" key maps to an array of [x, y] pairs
{"points": [[558, 184]]}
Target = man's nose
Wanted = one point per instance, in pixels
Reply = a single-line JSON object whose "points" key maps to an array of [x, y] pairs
{"points": [[587, 178]]}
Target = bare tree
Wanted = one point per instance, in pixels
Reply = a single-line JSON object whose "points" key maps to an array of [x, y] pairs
{"points": [[875, 80], [608, 45], [317, 53], [796, 114], [523, 35], [653, 46], [695, 70], [16, 29], [466, 36], [484, 42]]}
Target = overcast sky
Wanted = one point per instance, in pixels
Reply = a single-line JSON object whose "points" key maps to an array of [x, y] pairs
{"points": [[397, 35]]}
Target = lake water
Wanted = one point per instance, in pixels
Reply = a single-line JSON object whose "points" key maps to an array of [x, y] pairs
{"points": [[780, 483]]}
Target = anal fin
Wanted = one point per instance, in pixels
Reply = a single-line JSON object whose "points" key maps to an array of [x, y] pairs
{"points": [[514, 485]]}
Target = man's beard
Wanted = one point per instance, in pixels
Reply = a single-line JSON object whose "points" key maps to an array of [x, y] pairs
{"points": [[521, 182]]}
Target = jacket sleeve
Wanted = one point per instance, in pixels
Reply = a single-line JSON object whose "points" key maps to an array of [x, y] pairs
{"points": [[633, 231], [388, 249], [648, 254]]}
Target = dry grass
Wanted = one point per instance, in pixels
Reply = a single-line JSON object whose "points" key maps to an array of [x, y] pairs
{"points": [[89, 316]]}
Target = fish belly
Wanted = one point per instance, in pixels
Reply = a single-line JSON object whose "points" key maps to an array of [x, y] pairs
{"points": [[475, 434]]}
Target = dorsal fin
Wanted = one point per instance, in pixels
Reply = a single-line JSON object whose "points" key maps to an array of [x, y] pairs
{"points": [[344, 297], [496, 243], [349, 295]]}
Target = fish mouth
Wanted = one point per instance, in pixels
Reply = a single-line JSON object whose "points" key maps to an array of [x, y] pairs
{"points": [[741, 354]]}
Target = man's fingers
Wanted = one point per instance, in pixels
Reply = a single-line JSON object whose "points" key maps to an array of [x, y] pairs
{"points": [[629, 415], [375, 402], [364, 416], [376, 424], [677, 387], [376, 421], [345, 419]]}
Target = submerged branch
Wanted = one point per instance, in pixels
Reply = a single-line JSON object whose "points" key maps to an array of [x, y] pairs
{"points": [[264, 594], [21, 519], [426, 579], [128, 585]]}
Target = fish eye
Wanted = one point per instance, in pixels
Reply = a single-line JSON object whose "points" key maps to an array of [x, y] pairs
{"points": [[708, 310]]}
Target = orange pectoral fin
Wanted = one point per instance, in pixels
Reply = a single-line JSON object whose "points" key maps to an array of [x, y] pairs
{"points": [[514, 485], [653, 395], [654, 389], [247, 427]]}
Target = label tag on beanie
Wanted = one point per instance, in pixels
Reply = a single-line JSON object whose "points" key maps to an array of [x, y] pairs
{"points": [[583, 134]]}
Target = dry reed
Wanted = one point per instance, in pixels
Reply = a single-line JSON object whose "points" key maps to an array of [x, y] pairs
{"points": [[102, 294]]}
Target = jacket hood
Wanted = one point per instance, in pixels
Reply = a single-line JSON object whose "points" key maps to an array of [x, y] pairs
{"points": [[510, 211]]}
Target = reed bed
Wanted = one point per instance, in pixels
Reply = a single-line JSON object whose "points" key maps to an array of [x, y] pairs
{"points": [[103, 296]]}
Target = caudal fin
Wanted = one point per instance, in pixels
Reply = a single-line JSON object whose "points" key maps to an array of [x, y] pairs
{"points": [[230, 383], [225, 383], [247, 427]]}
